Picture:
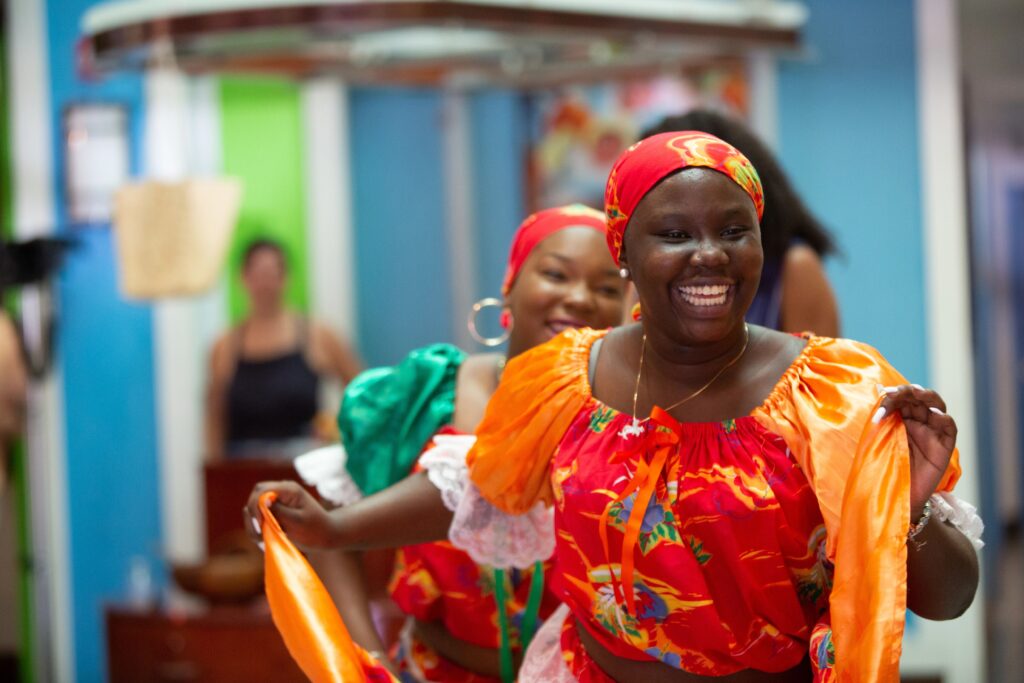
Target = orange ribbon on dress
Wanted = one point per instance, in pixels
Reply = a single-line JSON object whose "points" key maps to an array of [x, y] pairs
{"points": [[306, 617], [644, 483]]}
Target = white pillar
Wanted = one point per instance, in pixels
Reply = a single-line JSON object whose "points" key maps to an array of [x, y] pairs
{"points": [[764, 96], [953, 647], [458, 175], [35, 215], [329, 223], [182, 138]]}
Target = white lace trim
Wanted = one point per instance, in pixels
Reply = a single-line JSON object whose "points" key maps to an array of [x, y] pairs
{"points": [[324, 469], [498, 539], [445, 464], [543, 662], [961, 514]]}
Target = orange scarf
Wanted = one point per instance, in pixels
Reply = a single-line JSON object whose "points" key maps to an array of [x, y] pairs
{"points": [[306, 617]]}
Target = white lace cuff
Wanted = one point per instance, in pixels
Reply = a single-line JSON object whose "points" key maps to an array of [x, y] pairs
{"points": [[498, 539], [325, 470], [445, 464], [961, 514]]}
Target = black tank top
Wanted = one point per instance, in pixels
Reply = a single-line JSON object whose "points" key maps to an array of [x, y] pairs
{"points": [[273, 398]]}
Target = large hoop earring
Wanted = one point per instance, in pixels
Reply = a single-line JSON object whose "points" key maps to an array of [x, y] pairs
{"points": [[471, 323]]}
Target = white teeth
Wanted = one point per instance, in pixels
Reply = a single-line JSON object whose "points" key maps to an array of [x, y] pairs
{"points": [[705, 301], [706, 290], [706, 295]]}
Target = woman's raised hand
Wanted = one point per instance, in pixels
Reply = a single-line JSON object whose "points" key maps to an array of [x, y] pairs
{"points": [[931, 434]]}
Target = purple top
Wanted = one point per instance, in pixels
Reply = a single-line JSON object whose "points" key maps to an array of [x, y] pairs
{"points": [[766, 309]]}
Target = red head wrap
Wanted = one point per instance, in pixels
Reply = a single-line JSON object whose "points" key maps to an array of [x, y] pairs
{"points": [[541, 225], [646, 163]]}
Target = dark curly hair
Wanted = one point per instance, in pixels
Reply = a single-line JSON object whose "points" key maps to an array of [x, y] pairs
{"points": [[785, 216]]}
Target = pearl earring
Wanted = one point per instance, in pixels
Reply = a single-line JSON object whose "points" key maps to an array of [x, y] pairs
{"points": [[624, 272]]}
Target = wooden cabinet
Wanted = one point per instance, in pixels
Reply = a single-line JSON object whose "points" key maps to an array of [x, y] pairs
{"points": [[212, 643], [206, 645]]}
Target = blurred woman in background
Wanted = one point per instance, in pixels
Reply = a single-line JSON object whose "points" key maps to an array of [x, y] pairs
{"points": [[265, 373]]}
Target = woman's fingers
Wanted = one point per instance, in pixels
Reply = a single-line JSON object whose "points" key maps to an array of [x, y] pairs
{"points": [[252, 525], [921, 409], [912, 401], [286, 496], [251, 514], [942, 423]]}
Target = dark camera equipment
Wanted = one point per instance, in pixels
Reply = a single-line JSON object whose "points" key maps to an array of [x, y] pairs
{"points": [[29, 267]]}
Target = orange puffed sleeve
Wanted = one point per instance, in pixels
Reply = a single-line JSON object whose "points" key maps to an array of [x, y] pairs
{"points": [[860, 473], [541, 391]]}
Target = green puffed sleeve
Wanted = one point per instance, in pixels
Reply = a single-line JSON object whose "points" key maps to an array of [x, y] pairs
{"points": [[388, 414]]}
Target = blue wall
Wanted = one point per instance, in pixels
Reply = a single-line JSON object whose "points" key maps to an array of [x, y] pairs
{"points": [[849, 138], [106, 349], [399, 212], [397, 156], [499, 140]]}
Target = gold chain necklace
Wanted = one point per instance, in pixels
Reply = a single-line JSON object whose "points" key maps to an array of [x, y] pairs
{"points": [[634, 428]]}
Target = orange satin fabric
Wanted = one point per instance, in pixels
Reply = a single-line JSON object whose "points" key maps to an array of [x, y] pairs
{"points": [[860, 473], [822, 407], [305, 615], [541, 391]]}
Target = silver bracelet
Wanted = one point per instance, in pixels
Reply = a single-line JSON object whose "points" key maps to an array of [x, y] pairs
{"points": [[917, 527]]}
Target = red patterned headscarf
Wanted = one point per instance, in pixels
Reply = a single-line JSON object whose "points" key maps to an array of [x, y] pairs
{"points": [[541, 225], [646, 163]]}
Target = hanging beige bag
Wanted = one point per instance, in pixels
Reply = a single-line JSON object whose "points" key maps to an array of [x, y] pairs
{"points": [[172, 238]]}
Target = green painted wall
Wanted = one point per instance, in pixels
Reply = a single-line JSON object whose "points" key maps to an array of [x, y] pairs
{"points": [[261, 133]]}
